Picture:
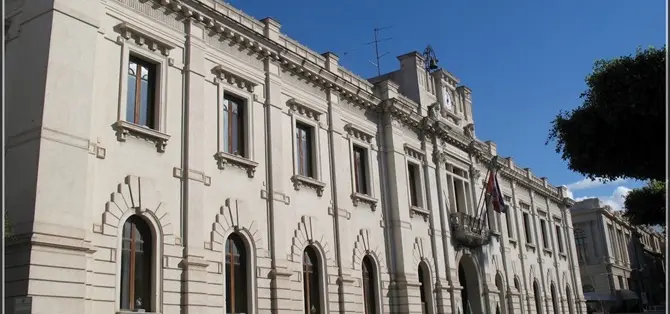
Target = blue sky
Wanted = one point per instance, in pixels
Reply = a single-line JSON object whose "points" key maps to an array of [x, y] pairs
{"points": [[524, 60]]}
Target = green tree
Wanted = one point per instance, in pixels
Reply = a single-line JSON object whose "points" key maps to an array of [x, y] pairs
{"points": [[619, 129], [8, 227]]}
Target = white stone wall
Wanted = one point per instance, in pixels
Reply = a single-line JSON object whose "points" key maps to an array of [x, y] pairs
{"points": [[76, 176]]}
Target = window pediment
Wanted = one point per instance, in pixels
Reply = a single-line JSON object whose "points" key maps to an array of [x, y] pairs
{"points": [[234, 78], [304, 109], [144, 37], [414, 152], [359, 133]]}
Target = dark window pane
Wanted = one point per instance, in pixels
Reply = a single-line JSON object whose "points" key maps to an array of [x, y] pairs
{"points": [[369, 289], [140, 105], [311, 282], [304, 149], [360, 170], [136, 265], [130, 101], [412, 177], [234, 141], [236, 275]]}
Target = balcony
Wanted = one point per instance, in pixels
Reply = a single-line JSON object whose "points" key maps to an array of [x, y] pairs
{"points": [[469, 231]]}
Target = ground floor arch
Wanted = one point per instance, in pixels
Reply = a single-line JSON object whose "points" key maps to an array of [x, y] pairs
{"points": [[469, 278]]}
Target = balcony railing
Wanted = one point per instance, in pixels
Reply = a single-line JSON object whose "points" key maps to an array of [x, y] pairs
{"points": [[468, 230]]}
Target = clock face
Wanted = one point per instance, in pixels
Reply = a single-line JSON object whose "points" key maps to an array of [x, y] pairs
{"points": [[448, 103]]}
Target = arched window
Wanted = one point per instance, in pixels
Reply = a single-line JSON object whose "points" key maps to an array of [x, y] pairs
{"points": [[424, 282], [136, 265], [554, 298], [588, 288], [369, 286], [569, 298], [538, 301], [236, 275], [311, 282]]}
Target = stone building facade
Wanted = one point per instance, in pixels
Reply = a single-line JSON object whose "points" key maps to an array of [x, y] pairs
{"points": [[622, 266], [182, 157]]}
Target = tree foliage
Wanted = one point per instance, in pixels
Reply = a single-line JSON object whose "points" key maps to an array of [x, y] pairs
{"points": [[619, 129], [8, 227], [649, 204]]}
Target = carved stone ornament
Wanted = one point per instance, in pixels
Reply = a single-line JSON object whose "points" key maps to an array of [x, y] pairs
{"points": [[434, 110], [469, 130], [475, 173]]}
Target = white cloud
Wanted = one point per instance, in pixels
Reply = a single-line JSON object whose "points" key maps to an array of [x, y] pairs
{"points": [[587, 183], [616, 200]]}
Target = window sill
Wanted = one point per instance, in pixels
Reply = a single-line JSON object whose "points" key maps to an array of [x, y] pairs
{"points": [[530, 246], [134, 312], [419, 211], [364, 198], [125, 128], [300, 181], [223, 158], [563, 255], [548, 251], [512, 240]]}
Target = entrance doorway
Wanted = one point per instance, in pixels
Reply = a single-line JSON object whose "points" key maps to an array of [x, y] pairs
{"points": [[470, 293]]}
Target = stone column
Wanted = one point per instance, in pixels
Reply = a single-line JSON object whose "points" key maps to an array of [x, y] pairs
{"points": [[49, 105], [195, 299]]}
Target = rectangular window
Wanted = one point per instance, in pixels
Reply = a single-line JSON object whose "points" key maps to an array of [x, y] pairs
{"points": [[559, 239], [141, 97], [621, 285], [304, 149], [361, 170], [414, 183], [580, 244], [543, 229], [526, 228], [459, 187], [233, 125]]}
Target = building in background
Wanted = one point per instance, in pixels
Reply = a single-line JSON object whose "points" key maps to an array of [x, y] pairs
{"points": [[622, 266], [183, 157]]}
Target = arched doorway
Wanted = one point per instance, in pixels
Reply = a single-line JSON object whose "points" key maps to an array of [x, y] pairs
{"points": [[425, 288], [137, 268], [470, 293], [554, 298], [369, 286], [568, 295], [237, 300], [501, 294], [538, 297], [311, 273]]}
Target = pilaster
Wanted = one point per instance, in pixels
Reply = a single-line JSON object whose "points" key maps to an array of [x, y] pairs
{"points": [[194, 265], [281, 281]]}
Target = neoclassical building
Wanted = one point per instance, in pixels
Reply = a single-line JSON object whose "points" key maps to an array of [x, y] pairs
{"points": [[622, 266], [180, 156]]}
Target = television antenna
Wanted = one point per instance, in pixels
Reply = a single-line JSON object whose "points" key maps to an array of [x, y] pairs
{"points": [[376, 43]]}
